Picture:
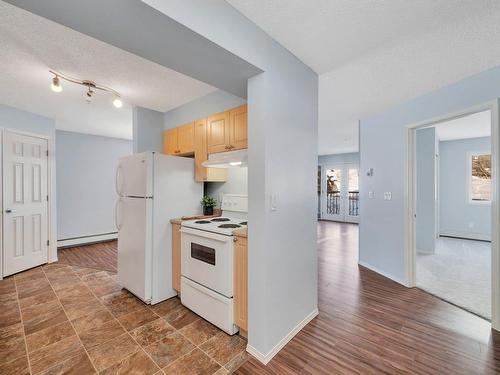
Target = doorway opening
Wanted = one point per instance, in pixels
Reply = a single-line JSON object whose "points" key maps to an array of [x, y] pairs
{"points": [[453, 249]]}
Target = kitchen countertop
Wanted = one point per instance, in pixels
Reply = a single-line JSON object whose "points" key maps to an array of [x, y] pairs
{"points": [[243, 232], [181, 219]]}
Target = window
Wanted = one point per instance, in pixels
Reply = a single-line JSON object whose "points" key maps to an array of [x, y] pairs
{"points": [[480, 177]]}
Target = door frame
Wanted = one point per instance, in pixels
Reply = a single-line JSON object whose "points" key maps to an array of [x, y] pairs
{"points": [[52, 249], [410, 198]]}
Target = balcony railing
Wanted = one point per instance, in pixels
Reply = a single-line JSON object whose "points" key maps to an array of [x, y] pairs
{"points": [[333, 203]]}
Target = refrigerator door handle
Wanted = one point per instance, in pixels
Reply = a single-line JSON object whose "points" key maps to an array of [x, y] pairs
{"points": [[119, 180], [117, 222]]}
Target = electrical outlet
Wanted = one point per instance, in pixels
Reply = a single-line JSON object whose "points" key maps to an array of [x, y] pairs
{"points": [[371, 195], [387, 196]]}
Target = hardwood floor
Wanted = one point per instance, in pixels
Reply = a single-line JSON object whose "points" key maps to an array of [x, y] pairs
{"points": [[101, 256], [369, 324]]}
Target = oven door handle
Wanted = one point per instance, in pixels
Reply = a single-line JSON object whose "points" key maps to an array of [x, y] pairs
{"points": [[203, 234]]}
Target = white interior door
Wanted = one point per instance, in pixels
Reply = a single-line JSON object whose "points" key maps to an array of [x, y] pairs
{"points": [[25, 202]]}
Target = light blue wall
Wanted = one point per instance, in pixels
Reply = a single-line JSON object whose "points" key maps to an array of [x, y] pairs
{"points": [[16, 119], [147, 130], [86, 166], [383, 147], [217, 101], [348, 158], [458, 217], [426, 190]]}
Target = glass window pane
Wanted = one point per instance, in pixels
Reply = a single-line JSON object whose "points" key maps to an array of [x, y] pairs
{"points": [[333, 178], [481, 178], [353, 191]]}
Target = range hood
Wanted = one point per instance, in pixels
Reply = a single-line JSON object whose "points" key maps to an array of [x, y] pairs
{"points": [[228, 159]]}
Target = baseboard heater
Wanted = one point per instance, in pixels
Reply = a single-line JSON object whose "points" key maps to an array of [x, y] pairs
{"points": [[86, 240]]}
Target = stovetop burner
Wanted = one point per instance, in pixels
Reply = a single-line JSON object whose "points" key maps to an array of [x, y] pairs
{"points": [[244, 223], [202, 222], [229, 226], [221, 219]]}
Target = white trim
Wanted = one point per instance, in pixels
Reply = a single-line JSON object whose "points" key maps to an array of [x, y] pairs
{"points": [[265, 358], [410, 198], [466, 235], [383, 273], [87, 239]]}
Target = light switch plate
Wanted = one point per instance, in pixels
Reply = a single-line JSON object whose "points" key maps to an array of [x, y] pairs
{"points": [[371, 194], [274, 202], [387, 196]]}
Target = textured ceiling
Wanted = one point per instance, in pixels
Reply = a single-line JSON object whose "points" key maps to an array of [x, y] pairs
{"points": [[372, 55], [30, 45], [471, 126]]}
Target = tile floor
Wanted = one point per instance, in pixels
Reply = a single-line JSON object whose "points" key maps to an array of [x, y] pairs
{"points": [[61, 319]]}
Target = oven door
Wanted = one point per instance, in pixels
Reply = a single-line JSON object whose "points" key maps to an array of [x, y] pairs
{"points": [[207, 258]]}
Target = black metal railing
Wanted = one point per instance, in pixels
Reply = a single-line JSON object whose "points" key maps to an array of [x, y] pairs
{"points": [[333, 203], [353, 203]]}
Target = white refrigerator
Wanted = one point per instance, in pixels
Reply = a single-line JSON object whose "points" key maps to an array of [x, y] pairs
{"points": [[152, 189]]}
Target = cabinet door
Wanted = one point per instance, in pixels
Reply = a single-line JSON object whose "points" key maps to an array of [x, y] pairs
{"points": [[200, 155], [238, 128], [200, 149], [176, 257], [185, 136], [170, 142], [240, 283], [218, 132]]}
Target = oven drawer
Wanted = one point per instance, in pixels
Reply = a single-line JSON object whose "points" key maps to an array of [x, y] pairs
{"points": [[207, 258], [212, 306]]}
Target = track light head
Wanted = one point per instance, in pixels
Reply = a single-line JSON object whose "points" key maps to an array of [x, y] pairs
{"points": [[56, 84]]}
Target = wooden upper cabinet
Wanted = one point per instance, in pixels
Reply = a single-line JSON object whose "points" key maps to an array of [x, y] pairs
{"points": [[218, 132], [185, 138], [179, 141], [170, 141], [238, 128], [200, 155]]}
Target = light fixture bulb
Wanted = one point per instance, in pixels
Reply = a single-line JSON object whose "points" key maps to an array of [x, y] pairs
{"points": [[56, 84], [235, 163], [117, 102]]}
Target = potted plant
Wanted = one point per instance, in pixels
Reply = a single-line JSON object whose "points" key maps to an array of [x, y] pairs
{"points": [[208, 204]]}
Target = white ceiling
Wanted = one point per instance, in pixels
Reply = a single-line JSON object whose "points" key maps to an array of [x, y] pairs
{"points": [[372, 55], [30, 45], [472, 126]]}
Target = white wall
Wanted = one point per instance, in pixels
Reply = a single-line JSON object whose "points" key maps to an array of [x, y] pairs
{"points": [[217, 101], [457, 216], [86, 195], [336, 159], [282, 112], [383, 148], [426, 190], [16, 119], [237, 183], [147, 130]]}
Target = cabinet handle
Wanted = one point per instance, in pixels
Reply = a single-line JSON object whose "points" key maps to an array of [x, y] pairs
{"points": [[177, 151], [235, 239], [228, 148]]}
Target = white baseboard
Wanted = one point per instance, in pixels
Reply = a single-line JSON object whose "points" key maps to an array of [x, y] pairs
{"points": [[87, 239], [383, 273], [265, 358], [466, 235]]}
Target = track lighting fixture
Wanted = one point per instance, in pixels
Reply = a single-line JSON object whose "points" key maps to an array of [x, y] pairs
{"points": [[90, 85]]}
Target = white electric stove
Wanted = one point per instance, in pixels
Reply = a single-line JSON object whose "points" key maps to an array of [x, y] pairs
{"points": [[207, 262]]}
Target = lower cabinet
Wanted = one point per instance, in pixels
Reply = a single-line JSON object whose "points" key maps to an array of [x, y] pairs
{"points": [[176, 257], [241, 282]]}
